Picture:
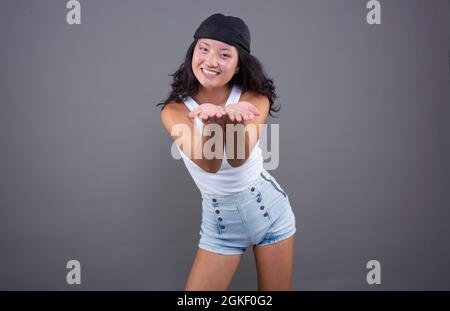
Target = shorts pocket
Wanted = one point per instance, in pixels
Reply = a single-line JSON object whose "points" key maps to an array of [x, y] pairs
{"points": [[275, 184]]}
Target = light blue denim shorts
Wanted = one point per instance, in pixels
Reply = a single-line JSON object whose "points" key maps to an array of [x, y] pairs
{"points": [[259, 215]]}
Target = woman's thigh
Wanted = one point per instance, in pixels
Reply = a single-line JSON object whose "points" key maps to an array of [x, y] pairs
{"points": [[212, 271]]}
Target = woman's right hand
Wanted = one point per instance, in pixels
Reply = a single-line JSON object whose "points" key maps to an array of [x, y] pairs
{"points": [[209, 113]]}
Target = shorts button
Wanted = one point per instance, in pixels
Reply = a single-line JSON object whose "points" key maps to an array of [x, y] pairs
{"points": [[265, 214], [217, 211], [252, 189], [220, 218], [258, 199], [222, 227], [261, 207], [214, 200]]}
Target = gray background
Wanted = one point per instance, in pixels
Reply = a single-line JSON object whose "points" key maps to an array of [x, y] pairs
{"points": [[85, 165]]}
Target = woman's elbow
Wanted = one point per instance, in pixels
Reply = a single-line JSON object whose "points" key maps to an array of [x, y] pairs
{"points": [[236, 162], [212, 167]]}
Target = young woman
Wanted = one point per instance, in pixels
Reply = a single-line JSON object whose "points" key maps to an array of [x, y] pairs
{"points": [[220, 84]]}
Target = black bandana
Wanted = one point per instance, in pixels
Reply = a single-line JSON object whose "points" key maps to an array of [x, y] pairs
{"points": [[228, 29]]}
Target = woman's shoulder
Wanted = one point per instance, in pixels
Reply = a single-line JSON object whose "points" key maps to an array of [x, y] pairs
{"points": [[174, 112], [173, 107], [249, 94]]}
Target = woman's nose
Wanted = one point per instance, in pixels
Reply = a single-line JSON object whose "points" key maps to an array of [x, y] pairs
{"points": [[211, 61]]}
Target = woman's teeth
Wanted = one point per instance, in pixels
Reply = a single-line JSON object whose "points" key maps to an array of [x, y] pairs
{"points": [[209, 73]]}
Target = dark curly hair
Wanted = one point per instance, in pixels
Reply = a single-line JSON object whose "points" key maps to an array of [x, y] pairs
{"points": [[251, 76]]}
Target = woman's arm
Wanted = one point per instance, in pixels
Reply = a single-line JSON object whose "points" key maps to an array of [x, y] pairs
{"points": [[243, 134], [181, 128]]}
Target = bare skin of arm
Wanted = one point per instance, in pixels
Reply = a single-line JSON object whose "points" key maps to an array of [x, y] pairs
{"points": [[240, 115], [175, 114]]}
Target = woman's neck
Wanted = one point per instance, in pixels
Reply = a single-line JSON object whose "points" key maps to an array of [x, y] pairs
{"points": [[216, 96]]}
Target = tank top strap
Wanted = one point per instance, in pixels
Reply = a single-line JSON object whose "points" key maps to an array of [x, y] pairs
{"points": [[234, 96], [190, 103]]}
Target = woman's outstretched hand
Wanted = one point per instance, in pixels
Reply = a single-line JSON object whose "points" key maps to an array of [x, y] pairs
{"points": [[238, 112], [241, 111], [208, 113]]}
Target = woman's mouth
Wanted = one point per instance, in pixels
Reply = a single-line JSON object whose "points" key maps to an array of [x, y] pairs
{"points": [[209, 74]]}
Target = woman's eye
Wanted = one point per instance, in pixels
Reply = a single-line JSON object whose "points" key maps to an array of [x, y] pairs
{"points": [[225, 55]]}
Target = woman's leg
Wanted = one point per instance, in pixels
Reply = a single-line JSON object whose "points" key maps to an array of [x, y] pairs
{"points": [[212, 271], [274, 264]]}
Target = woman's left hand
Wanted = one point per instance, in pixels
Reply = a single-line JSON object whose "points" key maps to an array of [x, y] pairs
{"points": [[240, 111]]}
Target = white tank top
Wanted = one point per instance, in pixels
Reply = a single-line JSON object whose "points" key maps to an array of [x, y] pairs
{"points": [[228, 179]]}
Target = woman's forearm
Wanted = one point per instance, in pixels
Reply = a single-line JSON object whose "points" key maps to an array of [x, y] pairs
{"points": [[209, 146]]}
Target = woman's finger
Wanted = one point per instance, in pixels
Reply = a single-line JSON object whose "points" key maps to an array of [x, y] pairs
{"points": [[193, 113], [238, 116], [231, 115], [254, 110], [204, 115]]}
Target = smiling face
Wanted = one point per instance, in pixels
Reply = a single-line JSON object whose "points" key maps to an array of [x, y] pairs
{"points": [[214, 62]]}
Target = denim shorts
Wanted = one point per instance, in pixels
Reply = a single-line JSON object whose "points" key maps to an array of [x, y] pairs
{"points": [[259, 215]]}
